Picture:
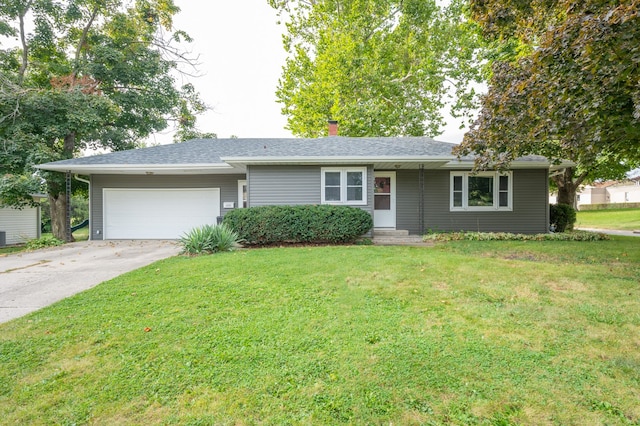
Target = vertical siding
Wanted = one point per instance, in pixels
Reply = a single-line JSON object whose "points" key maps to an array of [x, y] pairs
{"points": [[407, 201], [228, 185], [530, 206], [20, 225]]}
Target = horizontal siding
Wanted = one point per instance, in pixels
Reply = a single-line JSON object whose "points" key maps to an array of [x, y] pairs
{"points": [[283, 185], [530, 206], [228, 185], [20, 225], [293, 185]]}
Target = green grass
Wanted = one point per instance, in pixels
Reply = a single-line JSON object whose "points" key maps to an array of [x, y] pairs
{"points": [[623, 219], [492, 333]]}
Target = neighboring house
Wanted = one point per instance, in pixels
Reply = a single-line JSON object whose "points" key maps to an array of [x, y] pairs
{"points": [[412, 183], [610, 192], [19, 225]]}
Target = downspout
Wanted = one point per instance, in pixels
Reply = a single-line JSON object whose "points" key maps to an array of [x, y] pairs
{"points": [[421, 205], [79, 179]]}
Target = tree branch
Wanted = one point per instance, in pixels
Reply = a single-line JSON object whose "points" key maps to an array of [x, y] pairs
{"points": [[81, 42], [23, 41]]}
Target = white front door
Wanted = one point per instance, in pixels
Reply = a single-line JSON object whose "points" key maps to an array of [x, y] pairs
{"points": [[384, 200]]}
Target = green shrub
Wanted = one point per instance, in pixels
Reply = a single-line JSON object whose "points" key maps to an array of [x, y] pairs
{"points": [[43, 242], [562, 216], [299, 224], [209, 239]]}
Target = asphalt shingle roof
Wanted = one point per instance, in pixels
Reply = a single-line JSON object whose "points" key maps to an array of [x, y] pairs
{"points": [[210, 151]]}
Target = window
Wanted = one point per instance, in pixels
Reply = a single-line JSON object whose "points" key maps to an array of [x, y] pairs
{"points": [[344, 186], [482, 191]]}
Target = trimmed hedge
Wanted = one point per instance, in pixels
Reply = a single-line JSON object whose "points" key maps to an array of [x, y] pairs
{"points": [[563, 216], [608, 206], [299, 224]]}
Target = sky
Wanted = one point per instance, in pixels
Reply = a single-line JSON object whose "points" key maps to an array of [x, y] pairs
{"points": [[240, 55]]}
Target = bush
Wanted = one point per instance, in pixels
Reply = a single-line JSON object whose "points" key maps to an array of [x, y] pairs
{"points": [[209, 239], [299, 224], [43, 242], [563, 216]]}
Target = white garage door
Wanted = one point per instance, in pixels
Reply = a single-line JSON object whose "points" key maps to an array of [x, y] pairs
{"points": [[157, 213]]}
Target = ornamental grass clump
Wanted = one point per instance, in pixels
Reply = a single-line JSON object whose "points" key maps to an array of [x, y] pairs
{"points": [[208, 239]]}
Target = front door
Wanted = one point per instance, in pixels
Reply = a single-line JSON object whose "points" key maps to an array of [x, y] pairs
{"points": [[384, 200]]}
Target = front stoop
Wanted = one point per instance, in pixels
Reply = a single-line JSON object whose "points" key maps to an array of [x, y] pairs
{"points": [[393, 237]]}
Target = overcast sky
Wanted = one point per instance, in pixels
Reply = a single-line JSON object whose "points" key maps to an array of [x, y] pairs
{"points": [[239, 44]]}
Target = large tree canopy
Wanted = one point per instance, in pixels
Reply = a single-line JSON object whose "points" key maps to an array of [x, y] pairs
{"points": [[379, 67], [570, 91], [88, 74]]}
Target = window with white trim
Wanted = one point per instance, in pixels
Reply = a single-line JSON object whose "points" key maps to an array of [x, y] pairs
{"points": [[344, 185], [482, 191]]}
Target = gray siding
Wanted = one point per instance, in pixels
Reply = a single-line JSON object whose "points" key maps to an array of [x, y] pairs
{"points": [[407, 201], [283, 185], [291, 185], [530, 205], [228, 185]]}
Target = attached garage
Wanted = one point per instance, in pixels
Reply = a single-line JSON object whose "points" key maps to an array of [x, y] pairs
{"points": [[164, 213]]}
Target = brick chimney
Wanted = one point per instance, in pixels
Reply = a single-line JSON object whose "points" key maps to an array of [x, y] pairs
{"points": [[333, 128]]}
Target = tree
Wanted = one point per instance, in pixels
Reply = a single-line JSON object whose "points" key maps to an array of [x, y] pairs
{"points": [[91, 74], [569, 90], [379, 67]]}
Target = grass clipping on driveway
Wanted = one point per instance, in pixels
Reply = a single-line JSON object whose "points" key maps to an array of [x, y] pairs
{"points": [[461, 333]]}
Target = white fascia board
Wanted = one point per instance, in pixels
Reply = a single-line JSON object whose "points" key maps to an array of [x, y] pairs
{"points": [[515, 165], [140, 169], [334, 160]]}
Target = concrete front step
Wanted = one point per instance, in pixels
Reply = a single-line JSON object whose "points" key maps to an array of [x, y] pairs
{"points": [[390, 233], [409, 240]]}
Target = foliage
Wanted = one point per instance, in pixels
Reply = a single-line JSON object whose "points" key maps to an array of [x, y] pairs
{"points": [[506, 236], [90, 74], [573, 94], [379, 67], [563, 216], [79, 210], [43, 242], [16, 190], [208, 239], [466, 333], [299, 224]]}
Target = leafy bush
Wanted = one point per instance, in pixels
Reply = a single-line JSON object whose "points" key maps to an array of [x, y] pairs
{"points": [[563, 216], [209, 239], [506, 236], [43, 242], [299, 224]]}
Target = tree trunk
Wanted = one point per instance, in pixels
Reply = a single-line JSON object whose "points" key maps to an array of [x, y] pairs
{"points": [[58, 209], [568, 185], [58, 200]]}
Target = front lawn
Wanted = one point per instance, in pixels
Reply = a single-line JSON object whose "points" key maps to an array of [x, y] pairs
{"points": [[460, 333], [621, 219]]}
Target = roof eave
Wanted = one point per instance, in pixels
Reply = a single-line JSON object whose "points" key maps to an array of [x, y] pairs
{"points": [[140, 169], [330, 160]]}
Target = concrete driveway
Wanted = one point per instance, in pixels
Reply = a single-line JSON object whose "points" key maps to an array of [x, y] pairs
{"points": [[32, 280]]}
